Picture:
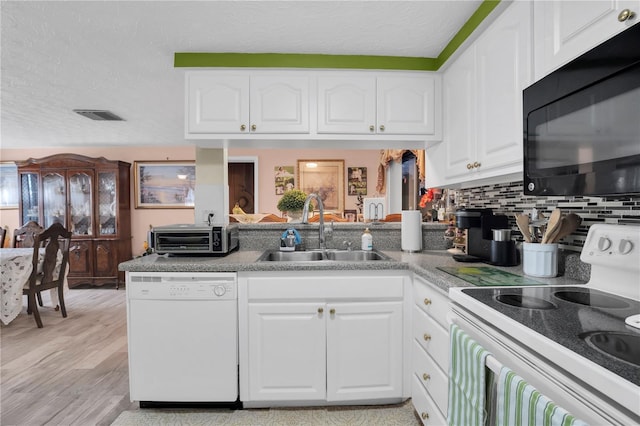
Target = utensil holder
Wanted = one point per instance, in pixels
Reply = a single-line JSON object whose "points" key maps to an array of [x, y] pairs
{"points": [[540, 260]]}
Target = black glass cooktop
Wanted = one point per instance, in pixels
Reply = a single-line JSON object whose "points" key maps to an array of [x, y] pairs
{"points": [[587, 321]]}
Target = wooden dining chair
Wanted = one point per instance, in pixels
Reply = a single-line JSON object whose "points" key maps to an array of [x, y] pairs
{"points": [[272, 218], [23, 237], [393, 217], [328, 217], [51, 274], [3, 236]]}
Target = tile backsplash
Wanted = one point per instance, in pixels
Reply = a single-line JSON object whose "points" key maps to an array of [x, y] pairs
{"points": [[508, 199]]}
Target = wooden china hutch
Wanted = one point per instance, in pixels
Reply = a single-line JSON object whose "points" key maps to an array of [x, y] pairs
{"points": [[91, 198]]}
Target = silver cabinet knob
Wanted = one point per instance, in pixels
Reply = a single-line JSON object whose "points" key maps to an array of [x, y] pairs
{"points": [[243, 128], [382, 127]]}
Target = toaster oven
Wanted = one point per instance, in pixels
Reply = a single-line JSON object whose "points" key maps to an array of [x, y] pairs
{"points": [[195, 239]]}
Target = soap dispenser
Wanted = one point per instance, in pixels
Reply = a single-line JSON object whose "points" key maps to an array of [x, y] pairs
{"points": [[367, 240]]}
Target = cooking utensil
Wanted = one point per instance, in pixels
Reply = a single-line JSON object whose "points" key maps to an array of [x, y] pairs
{"points": [[553, 226], [522, 220], [543, 227], [570, 223]]}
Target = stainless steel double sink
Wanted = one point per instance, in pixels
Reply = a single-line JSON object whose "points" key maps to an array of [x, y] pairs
{"points": [[319, 255]]}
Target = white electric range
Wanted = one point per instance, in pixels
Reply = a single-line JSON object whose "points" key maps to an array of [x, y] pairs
{"points": [[578, 345]]}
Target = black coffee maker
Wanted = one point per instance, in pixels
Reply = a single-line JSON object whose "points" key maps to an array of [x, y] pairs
{"points": [[481, 244]]}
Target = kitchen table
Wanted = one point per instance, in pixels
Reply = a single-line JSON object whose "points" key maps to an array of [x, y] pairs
{"points": [[16, 265]]}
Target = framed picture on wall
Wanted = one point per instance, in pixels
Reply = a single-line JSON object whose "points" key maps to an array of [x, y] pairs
{"points": [[8, 185], [324, 177], [284, 179], [357, 180], [164, 184]]}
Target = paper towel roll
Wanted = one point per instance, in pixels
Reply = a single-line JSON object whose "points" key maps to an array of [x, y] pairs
{"points": [[411, 230]]}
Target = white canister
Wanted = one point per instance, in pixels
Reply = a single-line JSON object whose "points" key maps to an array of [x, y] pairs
{"points": [[540, 260]]}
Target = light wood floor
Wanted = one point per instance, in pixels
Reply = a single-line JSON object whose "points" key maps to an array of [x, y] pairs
{"points": [[74, 371]]}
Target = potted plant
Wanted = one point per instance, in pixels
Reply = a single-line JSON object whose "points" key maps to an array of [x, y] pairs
{"points": [[292, 202]]}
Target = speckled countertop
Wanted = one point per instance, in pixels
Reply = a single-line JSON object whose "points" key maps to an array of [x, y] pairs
{"points": [[423, 264]]}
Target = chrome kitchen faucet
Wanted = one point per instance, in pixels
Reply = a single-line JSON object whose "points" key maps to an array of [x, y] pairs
{"points": [[305, 218]]}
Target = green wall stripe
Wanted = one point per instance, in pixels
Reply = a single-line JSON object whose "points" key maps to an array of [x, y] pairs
{"points": [[467, 29], [300, 60], [289, 60]]}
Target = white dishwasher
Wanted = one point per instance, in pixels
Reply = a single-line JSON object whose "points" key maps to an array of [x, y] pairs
{"points": [[183, 337]]}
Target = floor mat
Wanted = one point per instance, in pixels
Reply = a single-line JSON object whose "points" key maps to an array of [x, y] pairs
{"points": [[400, 415]]}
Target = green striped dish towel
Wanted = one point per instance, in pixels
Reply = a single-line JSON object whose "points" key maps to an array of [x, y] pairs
{"points": [[466, 380], [519, 403]]}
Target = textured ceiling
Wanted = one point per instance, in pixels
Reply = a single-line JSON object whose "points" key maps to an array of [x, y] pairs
{"points": [[118, 55]]}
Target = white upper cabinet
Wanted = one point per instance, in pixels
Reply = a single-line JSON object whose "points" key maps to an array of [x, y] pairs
{"points": [[279, 104], [347, 105], [373, 106], [366, 104], [222, 103], [408, 105], [566, 29], [217, 103], [503, 70], [459, 86], [482, 92]]}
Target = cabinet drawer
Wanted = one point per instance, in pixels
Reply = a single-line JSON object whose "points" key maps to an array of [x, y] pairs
{"points": [[431, 301], [425, 406], [433, 379], [432, 337]]}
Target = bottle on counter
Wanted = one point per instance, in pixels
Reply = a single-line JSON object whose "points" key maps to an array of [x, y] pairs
{"points": [[367, 240]]}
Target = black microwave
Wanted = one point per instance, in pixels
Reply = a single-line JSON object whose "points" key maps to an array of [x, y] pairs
{"points": [[582, 123]]}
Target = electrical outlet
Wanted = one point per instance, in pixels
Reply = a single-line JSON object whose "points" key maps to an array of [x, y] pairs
{"points": [[208, 215]]}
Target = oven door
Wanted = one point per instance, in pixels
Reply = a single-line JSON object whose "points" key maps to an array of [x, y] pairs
{"points": [[543, 364]]}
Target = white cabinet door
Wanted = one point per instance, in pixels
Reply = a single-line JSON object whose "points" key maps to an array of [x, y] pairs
{"points": [[407, 105], [459, 105], [364, 351], [279, 104], [482, 92], [503, 70], [217, 103], [347, 104], [286, 349], [566, 29]]}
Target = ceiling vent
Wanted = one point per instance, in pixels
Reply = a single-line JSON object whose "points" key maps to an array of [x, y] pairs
{"points": [[97, 114]]}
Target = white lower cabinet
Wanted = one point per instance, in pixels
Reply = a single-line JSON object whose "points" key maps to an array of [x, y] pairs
{"points": [[332, 338], [287, 355], [430, 350], [364, 351]]}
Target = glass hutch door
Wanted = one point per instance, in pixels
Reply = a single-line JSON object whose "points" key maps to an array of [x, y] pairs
{"points": [[54, 199], [29, 204], [107, 203], [80, 203]]}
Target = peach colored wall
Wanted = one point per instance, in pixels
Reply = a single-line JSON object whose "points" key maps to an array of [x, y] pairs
{"points": [[140, 218], [267, 160]]}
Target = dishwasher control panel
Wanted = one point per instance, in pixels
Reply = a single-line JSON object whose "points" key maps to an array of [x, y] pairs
{"points": [[185, 286]]}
